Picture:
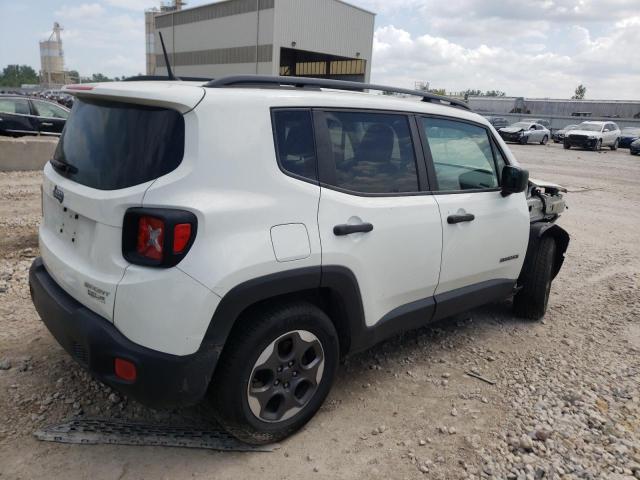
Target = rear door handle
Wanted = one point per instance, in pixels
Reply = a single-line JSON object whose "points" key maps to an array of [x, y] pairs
{"points": [[347, 229], [467, 217]]}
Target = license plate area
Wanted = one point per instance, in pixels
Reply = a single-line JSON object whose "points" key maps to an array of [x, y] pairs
{"points": [[66, 224]]}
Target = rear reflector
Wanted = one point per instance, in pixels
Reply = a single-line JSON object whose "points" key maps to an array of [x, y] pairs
{"points": [[78, 87], [181, 237], [150, 237], [125, 370]]}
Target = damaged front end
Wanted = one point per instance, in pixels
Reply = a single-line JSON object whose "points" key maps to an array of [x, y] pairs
{"points": [[545, 201]]}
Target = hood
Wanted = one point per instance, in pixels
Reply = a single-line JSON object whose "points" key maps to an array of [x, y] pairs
{"points": [[511, 129], [547, 185], [584, 132]]}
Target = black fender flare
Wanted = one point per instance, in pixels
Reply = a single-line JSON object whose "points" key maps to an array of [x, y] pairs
{"points": [[335, 283], [537, 232]]}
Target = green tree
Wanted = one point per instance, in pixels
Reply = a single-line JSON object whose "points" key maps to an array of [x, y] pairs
{"points": [[17, 75], [98, 77], [580, 92], [494, 93], [438, 91]]}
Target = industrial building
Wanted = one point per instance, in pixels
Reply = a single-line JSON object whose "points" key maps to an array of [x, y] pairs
{"points": [[557, 107], [52, 72], [312, 38]]}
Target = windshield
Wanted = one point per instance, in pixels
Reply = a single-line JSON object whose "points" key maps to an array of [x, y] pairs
{"points": [[590, 127], [570, 127], [631, 131], [111, 145], [520, 125]]}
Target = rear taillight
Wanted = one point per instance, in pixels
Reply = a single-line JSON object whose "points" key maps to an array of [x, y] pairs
{"points": [[150, 240], [157, 237]]}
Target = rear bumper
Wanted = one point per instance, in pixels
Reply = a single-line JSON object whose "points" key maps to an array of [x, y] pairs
{"points": [[163, 380]]}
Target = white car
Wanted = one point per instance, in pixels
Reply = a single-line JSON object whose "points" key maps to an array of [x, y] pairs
{"points": [[594, 136], [229, 241], [525, 132]]}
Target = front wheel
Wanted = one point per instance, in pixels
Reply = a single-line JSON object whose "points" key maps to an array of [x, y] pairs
{"points": [[544, 141], [275, 371], [532, 299], [566, 146], [597, 146], [523, 140], [615, 145]]}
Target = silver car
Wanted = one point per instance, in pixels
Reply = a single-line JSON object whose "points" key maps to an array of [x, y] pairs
{"points": [[525, 132]]}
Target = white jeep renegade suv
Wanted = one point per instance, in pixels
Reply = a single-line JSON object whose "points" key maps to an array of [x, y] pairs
{"points": [[231, 240]]}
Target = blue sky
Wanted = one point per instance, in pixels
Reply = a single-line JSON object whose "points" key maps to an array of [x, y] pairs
{"points": [[540, 48]]}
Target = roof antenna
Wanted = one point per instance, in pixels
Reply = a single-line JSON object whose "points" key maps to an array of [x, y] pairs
{"points": [[166, 60]]}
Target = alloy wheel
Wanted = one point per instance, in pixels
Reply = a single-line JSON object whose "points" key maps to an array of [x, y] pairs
{"points": [[285, 376]]}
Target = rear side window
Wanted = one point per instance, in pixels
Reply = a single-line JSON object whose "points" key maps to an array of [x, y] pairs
{"points": [[462, 155], [14, 105], [294, 143], [111, 145], [372, 152]]}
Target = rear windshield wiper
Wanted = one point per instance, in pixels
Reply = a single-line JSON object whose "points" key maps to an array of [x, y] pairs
{"points": [[63, 166]]}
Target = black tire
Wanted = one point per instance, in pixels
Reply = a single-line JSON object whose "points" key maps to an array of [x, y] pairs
{"points": [[228, 393], [598, 146], [531, 301], [615, 145], [544, 141], [566, 146], [523, 140]]}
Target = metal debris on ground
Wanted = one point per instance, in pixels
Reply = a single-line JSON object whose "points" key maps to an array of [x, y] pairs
{"points": [[480, 377], [92, 432]]}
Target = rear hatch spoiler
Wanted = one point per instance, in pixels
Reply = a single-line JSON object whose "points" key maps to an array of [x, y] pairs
{"points": [[180, 96]]}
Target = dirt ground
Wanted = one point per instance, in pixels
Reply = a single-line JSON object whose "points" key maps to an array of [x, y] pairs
{"points": [[565, 403]]}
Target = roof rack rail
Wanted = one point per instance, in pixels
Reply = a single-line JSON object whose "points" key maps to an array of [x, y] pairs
{"points": [[142, 78], [302, 82]]}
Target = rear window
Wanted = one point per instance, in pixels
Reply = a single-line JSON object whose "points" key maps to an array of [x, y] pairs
{"points": [[111, 145]]}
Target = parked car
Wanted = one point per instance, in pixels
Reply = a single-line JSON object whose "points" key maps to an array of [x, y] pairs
{"points": [[628, 135], [525, 132], [593, 135], [634, 148], [544, 122], [498, 122], [558, 135], [20, 115], [230, 242]]}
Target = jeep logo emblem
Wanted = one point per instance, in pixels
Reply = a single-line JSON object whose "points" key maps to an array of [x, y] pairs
{"points": [[58, 194]]}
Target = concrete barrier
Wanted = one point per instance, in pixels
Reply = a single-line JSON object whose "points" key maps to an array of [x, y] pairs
{"points": [[25, 153]]}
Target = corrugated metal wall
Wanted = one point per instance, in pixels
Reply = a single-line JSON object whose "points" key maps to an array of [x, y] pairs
{"points": [[327, 26]]}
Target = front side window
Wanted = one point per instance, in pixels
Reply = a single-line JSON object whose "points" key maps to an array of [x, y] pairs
{"points": [[49, 110], [294, 142], [462, 155], [372, 152]]}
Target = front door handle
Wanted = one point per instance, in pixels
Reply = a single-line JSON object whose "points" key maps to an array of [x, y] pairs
{"points": [[46, 124], [467, 217], [347, 229]]}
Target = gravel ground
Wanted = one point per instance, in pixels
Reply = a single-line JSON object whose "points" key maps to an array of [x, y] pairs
{"points": [[565, 403]]}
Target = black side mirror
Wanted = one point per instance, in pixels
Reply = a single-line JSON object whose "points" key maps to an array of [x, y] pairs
{"points": [[514, 180]]}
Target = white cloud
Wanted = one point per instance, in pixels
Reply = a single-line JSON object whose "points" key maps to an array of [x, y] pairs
{"points": [[82, 11], [401, 59], [135, 5]]}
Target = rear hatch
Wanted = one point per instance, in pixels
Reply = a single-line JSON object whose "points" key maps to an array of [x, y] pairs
{"points": [[117, 141]]}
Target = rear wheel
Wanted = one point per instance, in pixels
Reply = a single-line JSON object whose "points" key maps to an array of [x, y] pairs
{"points": [[532, 299], [276, 370], [615, 145], [544, 141]]}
